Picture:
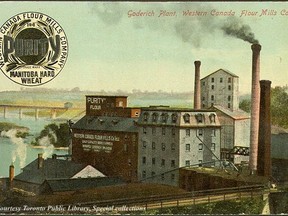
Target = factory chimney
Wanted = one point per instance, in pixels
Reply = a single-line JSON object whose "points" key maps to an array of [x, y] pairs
{"points": [[255, 103], [197, 93], [264, 143], [40, 160], [11, 175]]}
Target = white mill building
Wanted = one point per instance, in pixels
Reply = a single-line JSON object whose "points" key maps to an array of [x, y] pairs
{"points": [[173, 138]]}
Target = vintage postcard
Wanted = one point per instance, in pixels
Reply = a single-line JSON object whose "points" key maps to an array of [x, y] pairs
{"points": [[143, 107]]}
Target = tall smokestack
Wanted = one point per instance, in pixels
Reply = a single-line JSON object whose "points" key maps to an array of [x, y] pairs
{"points": [[40, 160], [255, 103], [264, 143], [11, 175], [197, 93]]}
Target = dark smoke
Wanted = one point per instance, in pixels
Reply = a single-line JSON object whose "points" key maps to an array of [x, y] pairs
{"points": [[235, 28], [193, 31]]}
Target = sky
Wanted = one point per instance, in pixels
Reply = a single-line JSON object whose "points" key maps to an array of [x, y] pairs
{"points": [[108, 50]]}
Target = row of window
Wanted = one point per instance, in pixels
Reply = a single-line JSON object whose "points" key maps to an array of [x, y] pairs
{"points": [[200, 131], [163, 162], [164, 116], [163, 145], [204, 106], [213, 98], [199, 117], [173, 146], [229, 87], [220, 80], [200, 147]]}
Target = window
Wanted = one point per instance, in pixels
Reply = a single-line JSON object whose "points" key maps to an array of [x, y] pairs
{"points": [[200, 147], [213, 132], [212, 118], [187, 132], [174, 118], [212, 97], [173, 146], [144, 144], [229, 87], [172, 176], [199, 118], [212, 87], [154, 117], [144, 130], [229, 98], [203, 83], [203, 98], [187, 147], [213, 146], [212, 79], [163, 146], [200, 132], [163, 162], [229, 80], [221, 80], [164, 117], [187, 163], [152, 173], [143, 174], [162, 177], [153, 161], [186, 118], [143, 160], [163, 131], [229, 105], [153, 130], [125, 147], [172, 163], [146, 115], [173, 131], [200, 163], [153, 145]]}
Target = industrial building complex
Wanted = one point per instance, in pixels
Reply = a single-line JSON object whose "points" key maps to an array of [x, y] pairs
{"points": [[159, 144]]}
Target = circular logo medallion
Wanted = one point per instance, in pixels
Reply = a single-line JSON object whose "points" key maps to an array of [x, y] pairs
{"points": [[33, 48]]}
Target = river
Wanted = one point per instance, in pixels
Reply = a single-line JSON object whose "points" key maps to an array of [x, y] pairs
{"points": [[19, 150]]}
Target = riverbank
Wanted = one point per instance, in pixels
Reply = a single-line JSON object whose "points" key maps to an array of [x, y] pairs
{"points": [[43, 147]]}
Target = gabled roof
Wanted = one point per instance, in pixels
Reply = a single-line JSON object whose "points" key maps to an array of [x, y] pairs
{"points": [[236, 114], [88, 172], [106, 123], [222, 70], [51, 169]]}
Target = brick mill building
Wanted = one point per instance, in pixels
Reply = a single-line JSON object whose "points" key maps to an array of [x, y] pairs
{"points": [[171, 138], [107, 137]]}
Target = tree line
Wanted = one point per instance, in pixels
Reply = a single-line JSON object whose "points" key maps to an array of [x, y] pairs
{"points": [[279, 106]]}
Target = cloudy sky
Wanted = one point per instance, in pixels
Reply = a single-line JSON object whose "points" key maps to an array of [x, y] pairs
{"points": [[109, 50]]}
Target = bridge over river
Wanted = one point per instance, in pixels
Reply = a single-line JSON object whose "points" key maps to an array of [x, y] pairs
{"points": [[53, 109]]}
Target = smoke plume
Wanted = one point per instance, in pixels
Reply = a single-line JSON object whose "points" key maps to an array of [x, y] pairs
{"points": [[235, 28], [46, 142], [20, 147], [193, 30]]}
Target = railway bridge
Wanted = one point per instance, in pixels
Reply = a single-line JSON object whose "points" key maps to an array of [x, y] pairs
{"points": [[20, 108]]}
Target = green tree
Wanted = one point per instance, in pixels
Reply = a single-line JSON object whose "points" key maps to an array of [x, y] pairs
{"points": [[58, 135], [245, 105], [279, 104]]}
